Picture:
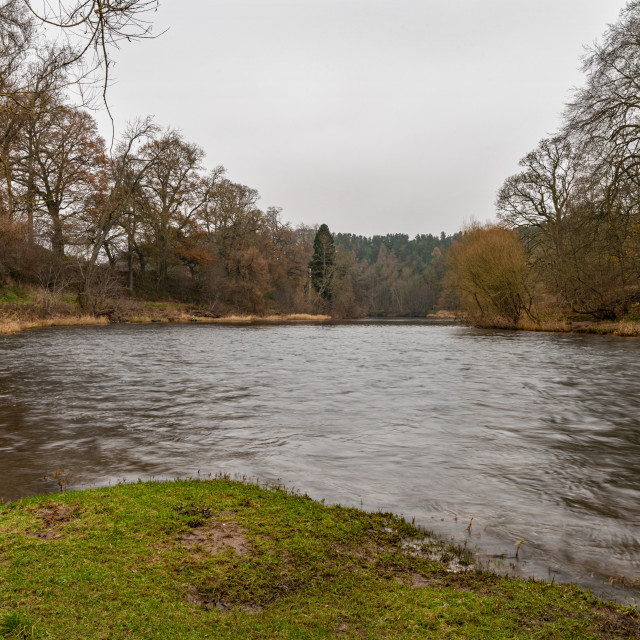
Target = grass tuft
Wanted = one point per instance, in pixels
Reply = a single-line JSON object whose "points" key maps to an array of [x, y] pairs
{"points": [[16, 625]]}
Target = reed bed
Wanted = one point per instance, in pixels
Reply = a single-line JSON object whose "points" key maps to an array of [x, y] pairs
{"points": [[558, 326], [292, 317], [147, 319], [179, 316], [9, 325], [622, 328], [12, 325], [631, 329]]}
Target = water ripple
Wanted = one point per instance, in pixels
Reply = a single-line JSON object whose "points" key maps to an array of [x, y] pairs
{"points": [[536, 436]]}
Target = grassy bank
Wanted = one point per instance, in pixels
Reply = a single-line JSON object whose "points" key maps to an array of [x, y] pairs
{"points": [[14, 325], [22, 309], [627, 327], [28, 308], [622, 328], [221, 559]]}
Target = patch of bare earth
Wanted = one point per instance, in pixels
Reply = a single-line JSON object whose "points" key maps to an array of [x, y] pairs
{"points": [[434, 553], [215, 537], [53, 517], [439, 580], [343, 627], [194, 596], [619, 625], [364, 555], [418, 581]]}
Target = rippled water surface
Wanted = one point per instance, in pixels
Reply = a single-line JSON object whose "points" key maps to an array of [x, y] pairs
{"points": [[535, 436]]}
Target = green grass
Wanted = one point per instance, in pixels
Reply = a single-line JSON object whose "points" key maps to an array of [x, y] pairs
{"points": [[15, 294], [221, 559]]}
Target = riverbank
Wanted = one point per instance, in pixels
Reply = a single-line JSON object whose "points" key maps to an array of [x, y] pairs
{"points": [[20, 316], [27, 311], [627, 327], [202, 559], [622, 328]]}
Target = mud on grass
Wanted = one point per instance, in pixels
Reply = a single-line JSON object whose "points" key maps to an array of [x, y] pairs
{"points": [[221, 559]]}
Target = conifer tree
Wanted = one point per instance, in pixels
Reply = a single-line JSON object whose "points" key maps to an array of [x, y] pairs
{"points": [[322, 265]]}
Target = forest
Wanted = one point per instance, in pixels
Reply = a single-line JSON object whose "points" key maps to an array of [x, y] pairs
{"points": [[146, 218], [100, 225]]}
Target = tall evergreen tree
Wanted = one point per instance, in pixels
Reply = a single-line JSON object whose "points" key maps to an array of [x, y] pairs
{"points": [[322, 265]]}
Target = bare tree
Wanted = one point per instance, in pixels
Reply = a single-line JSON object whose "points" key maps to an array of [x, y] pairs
{"points": [[175, 192], [607, 108], [127, 170], [539, 201], [62, 166], [96, 27]]}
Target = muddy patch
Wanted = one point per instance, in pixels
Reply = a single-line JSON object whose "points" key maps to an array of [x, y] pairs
{"points": [[363, 555], [201, 599], [215, 537], [418, 581], [453, 562], [54, 517], [616, 624], [440, 580]]}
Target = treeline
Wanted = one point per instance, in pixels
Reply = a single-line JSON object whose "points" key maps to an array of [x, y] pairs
{"points": [[569, 238], [141, 217], [419, 251], [145, 217], [148, 219], [390, 275]]}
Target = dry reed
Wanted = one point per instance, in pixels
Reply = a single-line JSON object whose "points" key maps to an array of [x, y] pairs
{"points": [[147, 319], [11, 325], [249, 319], [558, 326], [627, 328], [443, 314]]}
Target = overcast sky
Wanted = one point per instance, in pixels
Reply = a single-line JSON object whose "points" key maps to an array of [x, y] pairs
{"points": [[374, 116]]}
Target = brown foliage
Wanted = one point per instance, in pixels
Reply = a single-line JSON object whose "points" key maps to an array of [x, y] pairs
{"points": [[489, 268]]}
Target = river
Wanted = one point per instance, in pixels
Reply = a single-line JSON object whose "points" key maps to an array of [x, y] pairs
{"points": [[536, 436]]}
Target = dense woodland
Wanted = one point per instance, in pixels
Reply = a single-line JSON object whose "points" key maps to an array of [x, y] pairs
{"points": [[146, 217]]}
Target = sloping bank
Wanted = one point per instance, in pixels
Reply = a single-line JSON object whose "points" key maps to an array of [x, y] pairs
{"points": [[621, 328], [222, 559]]}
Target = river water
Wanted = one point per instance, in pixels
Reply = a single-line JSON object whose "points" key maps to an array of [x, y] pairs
{"points": [[535, 436]]}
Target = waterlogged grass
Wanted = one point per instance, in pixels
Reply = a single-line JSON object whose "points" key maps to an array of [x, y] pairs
{"points": [[220, 559]]}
